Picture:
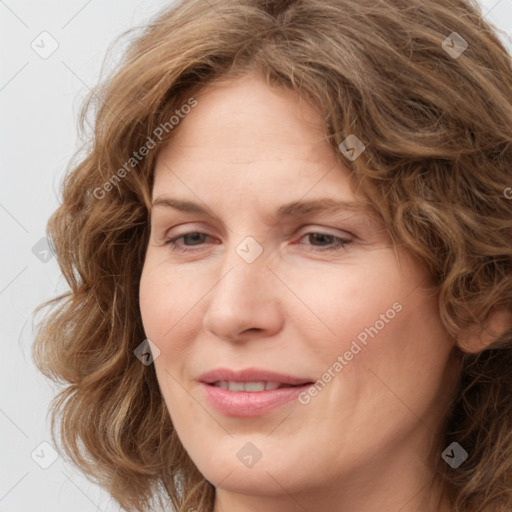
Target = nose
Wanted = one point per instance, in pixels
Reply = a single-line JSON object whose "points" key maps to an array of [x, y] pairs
{"points": [[245, 302]]}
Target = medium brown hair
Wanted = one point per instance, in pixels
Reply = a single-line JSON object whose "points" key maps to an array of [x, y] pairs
{"points": [[438, 135]]}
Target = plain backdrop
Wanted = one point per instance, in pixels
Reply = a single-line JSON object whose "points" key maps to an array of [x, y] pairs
{"points": [[40, 95]]}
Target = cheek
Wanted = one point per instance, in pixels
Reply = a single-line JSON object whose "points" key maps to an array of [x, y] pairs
{"points": [[150, 297], [351, 303], [377, 318], [327, 307], [156, 304], [170, 305]]}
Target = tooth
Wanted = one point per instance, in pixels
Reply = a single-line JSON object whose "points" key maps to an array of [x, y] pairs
{"points": [[247, 386], [254, 386], [235, 386]]}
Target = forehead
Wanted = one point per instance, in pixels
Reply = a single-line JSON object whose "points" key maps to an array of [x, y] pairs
{"points": [[243, 119], [246, 139]]}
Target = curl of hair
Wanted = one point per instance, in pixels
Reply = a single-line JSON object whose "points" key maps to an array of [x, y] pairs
{"points": [[438, 157]]}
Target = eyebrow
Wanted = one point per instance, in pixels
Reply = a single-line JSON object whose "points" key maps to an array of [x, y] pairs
{"points": [[325, 205]]}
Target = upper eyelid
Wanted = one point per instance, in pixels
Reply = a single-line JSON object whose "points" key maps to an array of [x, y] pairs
{"points": [[345, 240], [313, 218], [308, 229], [356, 227], [340, 225]]}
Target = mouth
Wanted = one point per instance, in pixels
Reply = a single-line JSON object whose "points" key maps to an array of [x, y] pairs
{"points": [[251, 379], [249, 399], [250, 392], [253, 386]]}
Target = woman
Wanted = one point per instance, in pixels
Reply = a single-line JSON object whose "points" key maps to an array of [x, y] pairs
{"points": [[289, 250]]}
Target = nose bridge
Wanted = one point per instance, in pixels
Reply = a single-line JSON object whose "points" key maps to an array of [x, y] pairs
{"points": [[245, 270], [243, 298]]}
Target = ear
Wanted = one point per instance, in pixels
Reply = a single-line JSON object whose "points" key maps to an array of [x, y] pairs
{"points": [[475, 338]]}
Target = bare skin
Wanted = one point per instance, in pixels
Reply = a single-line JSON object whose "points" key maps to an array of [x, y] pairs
{"points": [[362, 442]]}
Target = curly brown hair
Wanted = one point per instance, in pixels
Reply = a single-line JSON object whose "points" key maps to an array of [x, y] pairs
{"points": [[437, 126]]}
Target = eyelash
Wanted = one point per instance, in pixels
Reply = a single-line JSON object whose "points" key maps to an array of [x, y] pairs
{"points": [[342, 242]]}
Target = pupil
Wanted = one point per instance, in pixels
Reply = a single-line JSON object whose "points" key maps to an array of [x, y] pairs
{"points": [[321, 236], [194, 236]]}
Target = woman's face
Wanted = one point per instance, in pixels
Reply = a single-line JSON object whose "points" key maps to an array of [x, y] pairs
{"points": [[286, 294]]}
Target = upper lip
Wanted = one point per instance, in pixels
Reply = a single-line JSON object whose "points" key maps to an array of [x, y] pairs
{"points": [[251, 375]]}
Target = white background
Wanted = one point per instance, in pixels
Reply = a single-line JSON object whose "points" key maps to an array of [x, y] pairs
{"points": [[39, 102]]}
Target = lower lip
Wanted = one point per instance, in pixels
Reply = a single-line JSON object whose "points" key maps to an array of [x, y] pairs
{"points": [[250, 403]]}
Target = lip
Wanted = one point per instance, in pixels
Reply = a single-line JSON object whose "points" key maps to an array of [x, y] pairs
{"points": [[251, 375], [250, 403]]}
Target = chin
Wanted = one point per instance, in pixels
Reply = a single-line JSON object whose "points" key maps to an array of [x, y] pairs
{"points": [[230, 467]]}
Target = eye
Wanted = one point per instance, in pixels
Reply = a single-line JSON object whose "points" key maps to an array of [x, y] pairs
{"points": [[175, 246], [331, 242]]}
